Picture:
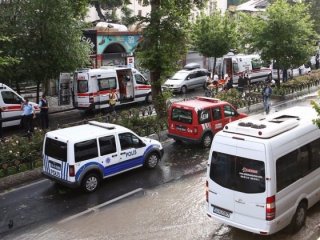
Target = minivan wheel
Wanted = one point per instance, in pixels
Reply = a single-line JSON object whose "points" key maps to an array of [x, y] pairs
{"points": [[299, 217], [184, 89], [206, 140], [149, 98], [90, 182], [152, 160]]}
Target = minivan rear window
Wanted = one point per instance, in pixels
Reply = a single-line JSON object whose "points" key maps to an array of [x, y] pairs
{"points": [[238, 173], [56, 149], [181, 115]]}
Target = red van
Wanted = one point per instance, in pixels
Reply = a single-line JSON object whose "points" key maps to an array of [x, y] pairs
{"points": [[197, 120]]}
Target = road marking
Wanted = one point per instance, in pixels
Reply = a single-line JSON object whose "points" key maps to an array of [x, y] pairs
{"points": [[95, 208], [22, 187]]}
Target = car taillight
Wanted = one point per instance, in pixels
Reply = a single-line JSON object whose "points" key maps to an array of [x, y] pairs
{"points": [[71, 171], [271, 208], [195, 130], [207, 191]]}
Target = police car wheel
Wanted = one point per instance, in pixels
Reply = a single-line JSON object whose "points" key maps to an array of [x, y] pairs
{"points": [[90, 182], [206, 140], [152, 160]]}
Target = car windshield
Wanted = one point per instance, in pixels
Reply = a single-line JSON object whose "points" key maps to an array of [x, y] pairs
{"points": [[238, 173], [179, 76]]}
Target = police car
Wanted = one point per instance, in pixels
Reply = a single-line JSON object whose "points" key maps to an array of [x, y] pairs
{"points": [[82, 156]]}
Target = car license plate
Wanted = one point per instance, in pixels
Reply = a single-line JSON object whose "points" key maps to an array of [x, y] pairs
{"points": [[54, 165], [55, 173], [180, 128], [220, 211]]}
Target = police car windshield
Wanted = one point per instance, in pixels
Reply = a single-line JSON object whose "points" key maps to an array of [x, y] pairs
{"points": [[179, 76], [238, 173]]}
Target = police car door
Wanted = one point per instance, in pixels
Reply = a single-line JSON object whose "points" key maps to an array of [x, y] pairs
{"points": [[132, 150], [109, 154]]}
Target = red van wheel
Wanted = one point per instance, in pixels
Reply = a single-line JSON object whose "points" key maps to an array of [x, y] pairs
{"points": [[206, 140]]}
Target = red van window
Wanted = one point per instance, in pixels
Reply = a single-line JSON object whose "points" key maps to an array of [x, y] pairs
{"points": [[181, 115], [204, 116]]}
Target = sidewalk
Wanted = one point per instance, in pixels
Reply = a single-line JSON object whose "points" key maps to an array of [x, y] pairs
{"points": [[54, 105]]}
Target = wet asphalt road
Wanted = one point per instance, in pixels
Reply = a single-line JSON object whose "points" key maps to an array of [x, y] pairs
{"points": [[44, 203]]}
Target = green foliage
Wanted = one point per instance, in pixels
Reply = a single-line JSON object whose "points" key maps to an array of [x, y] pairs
{"points": [[214, 35], [165, 41], [314, 9], [285, 34], [316, 107], [17, 148], [45, 38]]}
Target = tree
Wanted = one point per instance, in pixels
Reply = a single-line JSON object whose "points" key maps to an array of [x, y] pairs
{"points": [[314, 10], [214, 35], [165, 40], [285, 34], [316, 107], [111, 6], [47, 39]]}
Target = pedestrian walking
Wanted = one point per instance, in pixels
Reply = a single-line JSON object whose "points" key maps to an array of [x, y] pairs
{"points": [[266, 93], [44, 112], [28, 115], [241, 83]]}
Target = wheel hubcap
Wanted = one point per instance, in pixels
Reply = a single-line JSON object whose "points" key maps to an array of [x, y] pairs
{"points": [[153, 160], [207, 141], [91, 183]]}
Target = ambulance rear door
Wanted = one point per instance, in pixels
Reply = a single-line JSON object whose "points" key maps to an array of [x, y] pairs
{"points": [[10, 102], [84, 94], [142, 87]]}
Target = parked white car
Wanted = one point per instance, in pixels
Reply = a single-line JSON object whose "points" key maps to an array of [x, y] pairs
{"points": [[292, 72]]}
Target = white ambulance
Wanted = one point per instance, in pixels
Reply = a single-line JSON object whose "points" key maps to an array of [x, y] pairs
{"points": [[84, 155], [91, 87], [236, 64], [264, 172], [10, 106]]}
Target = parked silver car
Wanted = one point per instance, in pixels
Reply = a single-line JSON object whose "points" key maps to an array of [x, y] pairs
{"points": [[190, 77]]}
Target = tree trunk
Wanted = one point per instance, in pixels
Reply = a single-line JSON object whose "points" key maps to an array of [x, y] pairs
{"points": [[278, 79], [98, 9], [38, 91], [155, 74]]}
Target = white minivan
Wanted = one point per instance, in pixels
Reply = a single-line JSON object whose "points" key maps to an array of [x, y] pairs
{"points": [[84, 155], [264, 171], [190, 77]]}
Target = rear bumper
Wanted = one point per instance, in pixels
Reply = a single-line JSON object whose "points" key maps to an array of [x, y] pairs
{"points": [[60, 181], [185, 139], [267, 228]]}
